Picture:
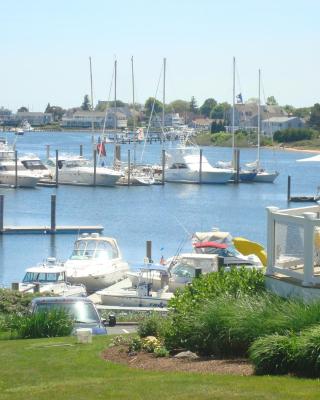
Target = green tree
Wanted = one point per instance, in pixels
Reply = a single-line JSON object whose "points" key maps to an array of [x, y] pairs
{"points": [[289, 109], [23, 109], [271, 101], [56, 111], [220, 111], [217, 127], [86, 106], [103, 105], [314, 121], [193, 106], [179, 106], [207, 107], [149, 104]]}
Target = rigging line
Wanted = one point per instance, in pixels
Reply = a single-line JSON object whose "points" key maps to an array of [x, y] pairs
{"points": [[150, 118], [105, 115]]}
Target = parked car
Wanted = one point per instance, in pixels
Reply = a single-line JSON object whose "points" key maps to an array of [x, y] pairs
{"points": [[81, 309]]}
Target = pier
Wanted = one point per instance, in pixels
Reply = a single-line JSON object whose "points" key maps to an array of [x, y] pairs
{"points": [[51, 229]]}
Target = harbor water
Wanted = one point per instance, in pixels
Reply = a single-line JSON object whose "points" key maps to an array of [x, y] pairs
{"points": [[167, 215]]}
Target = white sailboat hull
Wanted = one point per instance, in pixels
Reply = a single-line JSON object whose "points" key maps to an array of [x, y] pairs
{"points": [[265, 176], [131, 299]]}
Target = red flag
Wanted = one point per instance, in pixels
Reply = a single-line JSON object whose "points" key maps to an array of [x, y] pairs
{"points": [[101, 149]]}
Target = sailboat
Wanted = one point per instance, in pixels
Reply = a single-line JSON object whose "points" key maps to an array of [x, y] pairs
{"points": [[262, 175]]}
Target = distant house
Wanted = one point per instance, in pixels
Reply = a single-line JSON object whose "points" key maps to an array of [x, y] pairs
{"points": [[246, 115], [85, 120], [202, 124], [34, 118], [270, 125]]}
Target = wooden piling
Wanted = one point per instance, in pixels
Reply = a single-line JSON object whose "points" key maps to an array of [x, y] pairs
{"points": [[238, 165], [163, 166], [1, 212], [200, 167], [81, 150], [53, 213], [117, 153], [149, 250], [15, 169], [289, 189], [94, 167], [57, 168], [48, 151], [129, 168]]}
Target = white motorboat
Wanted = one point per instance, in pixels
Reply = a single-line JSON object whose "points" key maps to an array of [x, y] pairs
{"points": [[223, 245], [8, 169], [138, 177], [78, 170], [177, 272], [96, 262], [183, 166], [141, 294], [32, 162], [50, 277]]}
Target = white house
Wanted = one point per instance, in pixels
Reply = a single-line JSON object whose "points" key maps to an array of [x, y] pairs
{"points": [[270, 125]]}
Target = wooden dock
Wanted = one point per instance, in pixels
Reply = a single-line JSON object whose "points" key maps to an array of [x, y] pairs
{"points": [[49, 231]]}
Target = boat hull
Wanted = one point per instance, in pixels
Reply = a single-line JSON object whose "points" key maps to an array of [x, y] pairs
{"points": [[267, 177], [78, 176], [23, 180], [131, 299], [188, 176]]}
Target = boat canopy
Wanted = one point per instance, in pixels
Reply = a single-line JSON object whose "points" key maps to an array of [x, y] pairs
{"points": [[86, 249], [215, 245], [215, 236]]}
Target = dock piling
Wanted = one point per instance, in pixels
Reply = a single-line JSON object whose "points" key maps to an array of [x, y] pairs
{"points": [[117, 154], [57, 168], [1, 212], [48, 151], [53, 213], [289, 189], [94, 167], [200, 167], [129, 168], [149, 250], [15, 169], [81, 150], [163, 166]]}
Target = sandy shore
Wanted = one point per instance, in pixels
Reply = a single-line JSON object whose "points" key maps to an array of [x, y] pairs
{"points": [[298, 150]]}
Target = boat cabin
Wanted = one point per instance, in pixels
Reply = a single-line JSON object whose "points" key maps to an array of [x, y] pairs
{"points": [[45, 275], [95, 247]]}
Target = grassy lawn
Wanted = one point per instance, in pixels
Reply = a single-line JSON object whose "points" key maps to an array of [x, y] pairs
{"points": [[60, 369]]}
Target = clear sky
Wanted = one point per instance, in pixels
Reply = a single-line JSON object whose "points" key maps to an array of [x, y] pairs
{"points": [[45, 47]]}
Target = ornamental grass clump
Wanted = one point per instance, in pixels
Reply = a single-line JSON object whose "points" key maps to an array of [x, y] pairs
{"points": [[152, 325], [274, 354], [43, 325], [307, 361]]}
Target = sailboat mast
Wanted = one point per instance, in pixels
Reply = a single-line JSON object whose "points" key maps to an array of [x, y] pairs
{"points": [[233, 100], [134, 114], [115, 94], [164, 93], [91, 88], [259, 117]]}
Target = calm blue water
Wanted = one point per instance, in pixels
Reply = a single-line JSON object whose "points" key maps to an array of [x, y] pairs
{"points": [[136, 214]]}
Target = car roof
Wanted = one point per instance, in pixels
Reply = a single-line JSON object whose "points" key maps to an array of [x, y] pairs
{"points": [[60, 299]]}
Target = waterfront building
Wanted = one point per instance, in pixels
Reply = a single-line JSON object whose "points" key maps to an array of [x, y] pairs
{"points": [[85, 120], [270, 125], [202, 124]]}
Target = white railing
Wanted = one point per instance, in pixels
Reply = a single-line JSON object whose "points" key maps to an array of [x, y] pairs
{"points": [[293, 244]]}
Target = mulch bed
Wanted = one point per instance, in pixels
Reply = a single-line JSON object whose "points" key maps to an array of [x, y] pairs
{"points": [[147, 361]]}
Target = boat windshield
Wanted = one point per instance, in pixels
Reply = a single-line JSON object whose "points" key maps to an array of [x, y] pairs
{"points": [[80, 311], [228, 252], [44, 277], [33, 164], [88, 249], [183, 271]]}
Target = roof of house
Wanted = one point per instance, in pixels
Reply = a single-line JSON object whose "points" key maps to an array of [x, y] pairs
{"points": [[280, 119], [202, 121]]}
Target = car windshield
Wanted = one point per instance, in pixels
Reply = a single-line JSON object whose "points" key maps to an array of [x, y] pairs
{"points": [[80, 311], [87, 249]]}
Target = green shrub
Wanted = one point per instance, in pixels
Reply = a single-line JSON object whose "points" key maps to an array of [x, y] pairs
{"points": [[228, 325], [273, 354], [307, 361], [152, 325], [43, 325], [12, 301], [235, 283], [135, 344], [294, 134], [161, 352]]}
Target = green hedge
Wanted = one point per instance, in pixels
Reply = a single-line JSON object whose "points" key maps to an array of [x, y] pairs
{"points": [[294, 134]]}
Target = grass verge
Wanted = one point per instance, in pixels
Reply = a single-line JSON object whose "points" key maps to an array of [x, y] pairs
{"points": [[60, 369]]}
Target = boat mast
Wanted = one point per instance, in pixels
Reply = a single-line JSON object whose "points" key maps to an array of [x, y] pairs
{"points": [[164, 94], [134, 115], [91, 87], [259, 119], [233, 100], [115, 94]]}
